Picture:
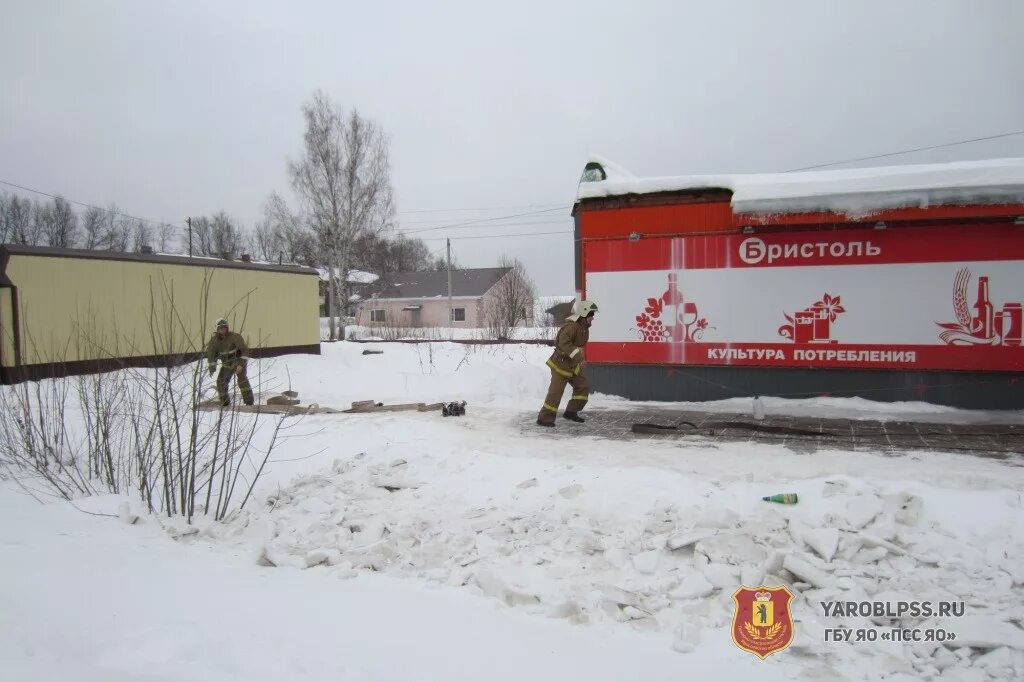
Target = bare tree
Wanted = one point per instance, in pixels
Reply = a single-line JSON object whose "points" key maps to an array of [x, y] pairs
{"points": [[5, 226], [62, 224], [17, 219], [117, 230], [39, 226], [93, 221], [142, 235], [510, 300], [281, 235], [216, 236], [225, 237], [165, 237], [344, 181], [202, 236]]}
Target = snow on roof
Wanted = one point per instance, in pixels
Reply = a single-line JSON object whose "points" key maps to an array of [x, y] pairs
{"points": [[354, 276], [857, 191]]}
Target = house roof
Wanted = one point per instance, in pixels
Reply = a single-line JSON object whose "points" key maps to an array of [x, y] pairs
{"points": [[857, 191], [468, 282], [201, 261]]}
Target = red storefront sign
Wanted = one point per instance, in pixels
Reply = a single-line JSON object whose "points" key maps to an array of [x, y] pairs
{"points": [[908, 298]]}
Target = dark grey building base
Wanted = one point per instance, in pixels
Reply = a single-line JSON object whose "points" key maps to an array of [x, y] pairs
{"points": [[972, 390], [57, 370]]}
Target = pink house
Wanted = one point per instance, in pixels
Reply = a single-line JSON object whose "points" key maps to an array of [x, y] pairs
{"points": [[420, 299]]}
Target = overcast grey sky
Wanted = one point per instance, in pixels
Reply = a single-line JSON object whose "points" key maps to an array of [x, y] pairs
{"points": [[189, 107]]}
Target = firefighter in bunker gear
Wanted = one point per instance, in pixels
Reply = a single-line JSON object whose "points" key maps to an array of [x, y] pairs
{"points": [[566, 364], [230, 348]]}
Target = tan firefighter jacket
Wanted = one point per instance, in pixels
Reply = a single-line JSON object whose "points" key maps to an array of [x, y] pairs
{"points": [[567, 359], [228, 350]]}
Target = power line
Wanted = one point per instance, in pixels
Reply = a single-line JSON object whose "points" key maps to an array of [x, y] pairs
{"points": [[405, 233], [402, 221], [479, 221], [909, 151], [497, 236], [81, 203], [488, 208]]}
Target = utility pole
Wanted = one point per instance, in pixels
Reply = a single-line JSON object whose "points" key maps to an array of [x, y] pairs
{"points": [[189, 221], [451, 310]]}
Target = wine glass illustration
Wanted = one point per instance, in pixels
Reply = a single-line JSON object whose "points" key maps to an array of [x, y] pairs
{"points": [[688, 317]]}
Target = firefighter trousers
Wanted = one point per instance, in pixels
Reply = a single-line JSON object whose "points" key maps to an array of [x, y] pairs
{"points": [[559, 379], [228, 370]]}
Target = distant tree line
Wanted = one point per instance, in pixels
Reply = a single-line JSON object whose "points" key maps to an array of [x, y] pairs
{"points": [[278, 237], [54, 222]]}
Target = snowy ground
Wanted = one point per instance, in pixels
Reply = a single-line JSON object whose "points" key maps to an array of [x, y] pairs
{"points": [[411, 546]]}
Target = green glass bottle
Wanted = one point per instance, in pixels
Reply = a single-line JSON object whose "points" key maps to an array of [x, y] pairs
{"points": [[787, 498]]}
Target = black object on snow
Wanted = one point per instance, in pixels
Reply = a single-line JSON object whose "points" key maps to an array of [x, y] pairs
{"points": [[453, 409]]}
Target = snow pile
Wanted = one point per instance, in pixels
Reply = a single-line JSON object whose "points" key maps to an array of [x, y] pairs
{"points": [[663, 552], [856, 192], [90, 599]]}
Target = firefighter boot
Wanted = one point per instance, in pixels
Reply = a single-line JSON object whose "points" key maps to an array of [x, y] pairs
{"points": [[546, 416], [574, 417]]}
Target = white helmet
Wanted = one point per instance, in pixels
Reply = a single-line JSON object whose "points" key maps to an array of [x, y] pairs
{"points": [[583, 309], [221, 323]]}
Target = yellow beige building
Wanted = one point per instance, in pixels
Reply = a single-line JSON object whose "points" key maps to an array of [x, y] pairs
{"points": [[70, 311]]}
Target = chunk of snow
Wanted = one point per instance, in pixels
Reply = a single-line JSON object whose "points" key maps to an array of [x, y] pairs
{"points": [[824, 541], [268, 556], [721, 575], [647, 562], [773, 564], [568, 610], [905, 508], [995, 661], [751, 576], [730, 548], [693, 586], [868, 556], [322, 556], [717, 518], [803, 569], [985, 632], [687, 538], [861, 510]]}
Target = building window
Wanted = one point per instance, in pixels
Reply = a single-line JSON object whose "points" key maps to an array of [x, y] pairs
{"points": [[377, 315], [458, 314]]}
